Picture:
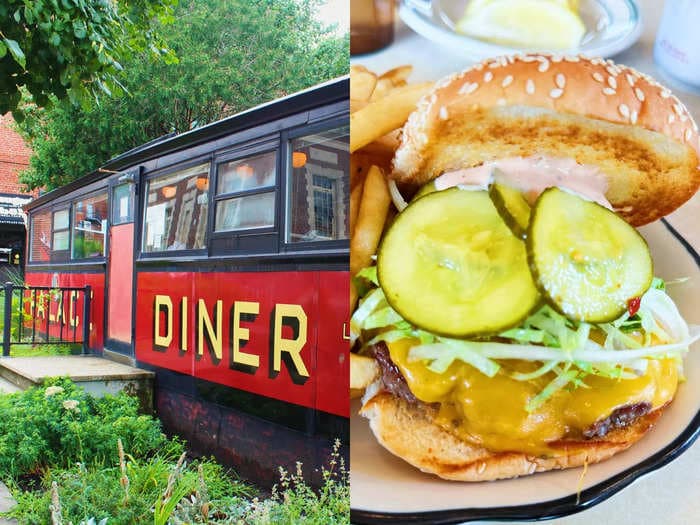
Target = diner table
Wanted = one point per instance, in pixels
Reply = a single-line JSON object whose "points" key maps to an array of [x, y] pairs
{"points": [[671, 494]]}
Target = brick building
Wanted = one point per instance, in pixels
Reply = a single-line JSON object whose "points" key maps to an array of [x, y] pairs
{"points": [[14, 157]]}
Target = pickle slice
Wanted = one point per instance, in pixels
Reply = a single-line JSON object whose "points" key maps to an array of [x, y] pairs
{"points": [[512, 207], [425, 190], [587, 261], [450, 265]]}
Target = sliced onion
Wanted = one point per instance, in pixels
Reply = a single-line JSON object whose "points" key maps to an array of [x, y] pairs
{"points": [[396, 196]]}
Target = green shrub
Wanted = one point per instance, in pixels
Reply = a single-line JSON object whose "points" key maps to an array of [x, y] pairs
{"points": [[294, 502], [58, 424], [102, 492]]}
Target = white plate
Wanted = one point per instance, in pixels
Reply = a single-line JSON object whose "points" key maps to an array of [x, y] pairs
{"points": [[385, 489], [611, 27]]}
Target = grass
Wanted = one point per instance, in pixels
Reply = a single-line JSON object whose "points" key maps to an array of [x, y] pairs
{"points": [[28, 350]]}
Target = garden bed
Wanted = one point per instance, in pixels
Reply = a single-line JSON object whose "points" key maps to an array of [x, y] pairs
{"points": [[71, 458]]}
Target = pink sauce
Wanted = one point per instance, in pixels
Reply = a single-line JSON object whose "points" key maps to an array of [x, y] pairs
{"points": [[532, 175]]}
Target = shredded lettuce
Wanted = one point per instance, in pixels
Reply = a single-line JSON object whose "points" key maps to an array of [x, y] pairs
{"points": [[562, 346]]}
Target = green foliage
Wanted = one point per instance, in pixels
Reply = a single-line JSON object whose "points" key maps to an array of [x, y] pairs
{"points": [[98, 492], [295, 502], [73, 48], [59, 424], [233, 54], [69, 441]]}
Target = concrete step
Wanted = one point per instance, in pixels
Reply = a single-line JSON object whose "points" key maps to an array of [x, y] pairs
{"points": [[97, 375], [6, 387], [6, 504]]}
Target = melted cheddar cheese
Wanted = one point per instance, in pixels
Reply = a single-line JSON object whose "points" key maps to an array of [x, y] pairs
{"points": [[490, 412]]}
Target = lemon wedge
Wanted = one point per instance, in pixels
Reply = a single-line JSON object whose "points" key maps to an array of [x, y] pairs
{"points": [[532, 24]]}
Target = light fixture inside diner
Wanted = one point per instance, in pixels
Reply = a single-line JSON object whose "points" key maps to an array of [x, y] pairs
{"points": [[169, 191], [298, 159]]}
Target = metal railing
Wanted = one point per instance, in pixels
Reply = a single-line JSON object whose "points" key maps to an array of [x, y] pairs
{"points": [[32, 315]]}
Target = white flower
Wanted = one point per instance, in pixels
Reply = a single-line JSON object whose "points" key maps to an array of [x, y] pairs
{"points": [[70, 404], [50, 391]]}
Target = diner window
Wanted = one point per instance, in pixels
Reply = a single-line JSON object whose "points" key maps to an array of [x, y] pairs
{"points": [[176, 210], [40, 238], [245, 193], [61, 230], [319, 187], [89, 227], [122, 204]]}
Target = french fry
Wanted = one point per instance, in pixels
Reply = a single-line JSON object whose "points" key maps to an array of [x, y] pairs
{"points": [[383, 87], [356, 105], [362, 84], [359, 166], [370, 220], [398, 76], [384, 115], [363, 371], [355, 199]]}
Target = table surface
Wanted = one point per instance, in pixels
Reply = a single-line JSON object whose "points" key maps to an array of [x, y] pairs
{"points": [[670, 495]]}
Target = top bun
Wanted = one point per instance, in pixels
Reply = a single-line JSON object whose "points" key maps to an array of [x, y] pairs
{"points": [[592, 110]]}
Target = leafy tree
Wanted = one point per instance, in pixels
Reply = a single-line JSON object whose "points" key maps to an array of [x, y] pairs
{"points": [[72, 48], [233, 54]]}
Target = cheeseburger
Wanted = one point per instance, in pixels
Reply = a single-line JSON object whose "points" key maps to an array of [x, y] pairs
{"points": [[512, 318]]}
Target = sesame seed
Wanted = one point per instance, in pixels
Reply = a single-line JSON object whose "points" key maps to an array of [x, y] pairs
{"points": [[488, 76], [560, 80], [665, 93], [494, 65], [633, 117], [544, 65], [624, 110], [598, 77], [443, 113], [501, 102], [671, 118], [528, 58], [556, 58], [695, 126], [510, 59], [688, 134], [678, 109], [468, 88], [639, 93], [507, 81], [482, 467], [612, 82], [556, 93], [631, 79], [529, 86], [571, 58], [609, 91], [612, 70], [684, 118]]}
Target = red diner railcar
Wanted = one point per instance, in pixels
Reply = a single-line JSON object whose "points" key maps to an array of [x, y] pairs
{"points": [[219, 259]]}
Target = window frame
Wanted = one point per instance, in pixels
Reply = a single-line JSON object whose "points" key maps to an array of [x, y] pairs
{"points": [[142, 195], [114, 185], [104, 191], [61, 255], [33, 215], [286, 245], [244, 151], [261, 190]]}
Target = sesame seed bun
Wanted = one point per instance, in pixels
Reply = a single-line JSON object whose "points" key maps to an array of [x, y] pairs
{"points": [[641, 136]]}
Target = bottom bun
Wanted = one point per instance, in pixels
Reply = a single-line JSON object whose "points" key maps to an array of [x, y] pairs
{"points": [[407, 430]]}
